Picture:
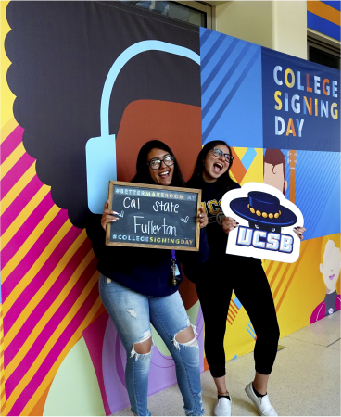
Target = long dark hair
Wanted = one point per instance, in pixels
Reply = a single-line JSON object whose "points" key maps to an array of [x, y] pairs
{"points": [[142, 169], [224, 183]]}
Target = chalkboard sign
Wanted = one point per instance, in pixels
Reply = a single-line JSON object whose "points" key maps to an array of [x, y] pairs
{"points": [[154, 216]]}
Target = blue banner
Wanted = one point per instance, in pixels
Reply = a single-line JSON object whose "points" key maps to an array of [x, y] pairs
{"points": [[301, 103]]}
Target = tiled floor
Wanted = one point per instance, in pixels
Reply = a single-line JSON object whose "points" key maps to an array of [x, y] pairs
{"points": [[305, 379]]}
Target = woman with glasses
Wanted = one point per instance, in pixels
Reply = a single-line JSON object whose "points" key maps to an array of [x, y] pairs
{"points": [[223, 273], [137, 291]]}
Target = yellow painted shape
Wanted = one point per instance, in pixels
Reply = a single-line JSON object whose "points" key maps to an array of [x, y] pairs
{"points": [[237, 340], [306, 291], [7, 98], [77, 384], [17, 188], [8, 128], [50, 280], [48, 314], [324, 11], [26, 246], [240, 152], [50, 375], [12, 159], [24, 214], [255, 171]]}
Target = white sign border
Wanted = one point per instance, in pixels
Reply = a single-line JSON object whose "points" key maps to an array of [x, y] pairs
{"points": [[251, 251]]}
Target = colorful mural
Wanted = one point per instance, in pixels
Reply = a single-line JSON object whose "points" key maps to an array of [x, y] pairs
{"points": [[325, 17], [193, 86]]}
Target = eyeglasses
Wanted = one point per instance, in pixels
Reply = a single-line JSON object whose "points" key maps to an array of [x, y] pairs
{"points": [[155, 163], [218, 154]]}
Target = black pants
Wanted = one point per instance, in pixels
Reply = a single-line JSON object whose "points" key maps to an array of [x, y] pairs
{"points": [[215, 283]]}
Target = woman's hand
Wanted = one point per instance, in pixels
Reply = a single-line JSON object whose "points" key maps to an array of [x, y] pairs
{"points": [[299, 231], [107, 216], [228, 224], [202, 217]]}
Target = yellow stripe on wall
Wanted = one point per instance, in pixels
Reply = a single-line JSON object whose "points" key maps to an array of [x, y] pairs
{"points": [[8, 128], [32, 238], [50, 280], [324, 11], [17, 188], [24, 214], [48, 314], [291, 276], [51, 342], [281, 279], [12, 159]]}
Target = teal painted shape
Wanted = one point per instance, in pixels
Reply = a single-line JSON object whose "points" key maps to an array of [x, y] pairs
{"points": [[75, 391]]}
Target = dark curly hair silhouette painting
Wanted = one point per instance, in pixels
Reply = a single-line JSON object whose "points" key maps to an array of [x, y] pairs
{"points": [[60, 63], [62, 58]]}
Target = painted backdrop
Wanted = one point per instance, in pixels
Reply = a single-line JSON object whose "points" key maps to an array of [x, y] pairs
{"points": [[84, 85]]}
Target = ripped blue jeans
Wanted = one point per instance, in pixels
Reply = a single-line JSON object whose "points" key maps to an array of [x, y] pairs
{"points": [[132, 314]]}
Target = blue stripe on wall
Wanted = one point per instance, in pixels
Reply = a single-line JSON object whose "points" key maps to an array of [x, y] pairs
{"points": [[324, 26], [228, 98]]}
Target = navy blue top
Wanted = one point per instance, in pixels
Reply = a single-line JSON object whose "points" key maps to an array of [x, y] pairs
{"points": [[211, 198], [144, 270]]}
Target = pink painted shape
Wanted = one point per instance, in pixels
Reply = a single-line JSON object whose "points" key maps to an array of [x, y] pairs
{"points": [[37, 314], [35, 251], [24, 197], [47, 331], [15, 173], [318, 313], [11, 143], [338, 303], [26, 229]]}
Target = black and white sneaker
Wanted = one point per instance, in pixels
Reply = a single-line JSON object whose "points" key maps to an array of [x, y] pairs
{"points": [[223, 407], [263, 404]]}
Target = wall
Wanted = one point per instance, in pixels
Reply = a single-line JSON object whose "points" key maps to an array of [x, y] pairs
{"points": [[279, 25], [54, 325]]}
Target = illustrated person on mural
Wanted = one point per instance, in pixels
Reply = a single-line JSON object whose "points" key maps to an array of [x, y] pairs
{"points": [[136, 290], [222, 274], [330, 269]]}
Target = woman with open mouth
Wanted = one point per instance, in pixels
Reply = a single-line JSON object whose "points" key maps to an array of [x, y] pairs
{"points": [[222, 274], [138, 289]]}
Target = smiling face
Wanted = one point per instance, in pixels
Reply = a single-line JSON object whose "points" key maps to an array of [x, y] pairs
{"points": [[164, 174], [331, 265], [214, 166]]}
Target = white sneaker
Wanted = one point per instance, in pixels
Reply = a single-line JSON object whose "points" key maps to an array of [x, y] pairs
{"points": [[223, 407], [263, 404]]}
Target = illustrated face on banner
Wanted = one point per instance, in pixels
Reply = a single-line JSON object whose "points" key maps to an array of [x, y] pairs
{"points": [[331, 265], [266, 223], [274, 169]]}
